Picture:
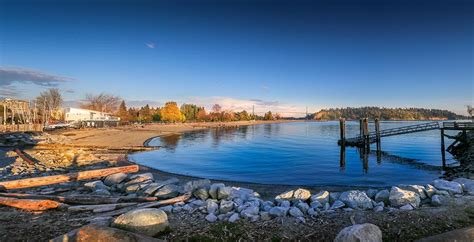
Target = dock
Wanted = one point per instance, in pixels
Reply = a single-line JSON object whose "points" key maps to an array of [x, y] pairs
{"points": [[365, 138]]}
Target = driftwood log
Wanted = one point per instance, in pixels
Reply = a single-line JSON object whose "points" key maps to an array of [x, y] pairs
{"points": [[30, 204], [99, 208], [69, 177], [181, 198], [23, 157], [95, 147], [81, 199]]}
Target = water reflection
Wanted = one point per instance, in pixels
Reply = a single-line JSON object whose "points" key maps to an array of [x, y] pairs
{"points": [[295, 153]]}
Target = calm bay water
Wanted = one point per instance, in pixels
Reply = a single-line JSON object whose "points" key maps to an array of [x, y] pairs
{"points": [[303, 153]]}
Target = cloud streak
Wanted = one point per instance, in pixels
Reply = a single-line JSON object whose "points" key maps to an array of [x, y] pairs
{"points": [[261, 106], [11, 75], [150, 45]]}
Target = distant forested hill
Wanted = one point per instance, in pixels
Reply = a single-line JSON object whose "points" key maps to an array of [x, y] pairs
{"points": [[386, 114]]}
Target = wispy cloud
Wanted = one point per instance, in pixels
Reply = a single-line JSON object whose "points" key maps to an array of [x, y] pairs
{"points": [[11, 75], [150, 45], [260, 106]]}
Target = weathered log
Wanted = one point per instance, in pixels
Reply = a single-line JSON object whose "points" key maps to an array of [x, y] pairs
{"points": [[81, 199], [23, 157], [99, 208], [30, 204], [95, 147], [181, 198], [69, 177]]}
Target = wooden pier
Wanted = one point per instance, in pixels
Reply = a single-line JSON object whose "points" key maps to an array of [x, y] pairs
{"points": [[365, 138]]}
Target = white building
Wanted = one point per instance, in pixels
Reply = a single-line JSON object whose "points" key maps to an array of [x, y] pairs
{"points": [[89, 118]]}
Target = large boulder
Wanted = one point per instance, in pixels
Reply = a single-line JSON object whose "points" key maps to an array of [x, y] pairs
{"points": [[278, 211], [295, 212], [467, 185], [168, 191], [114, 179], [449, 186], [226, 206], [301, 194], [148, 221], [399, 197], [356, 199], [360, 233], [201, 193], [382, 196], [286, 195], [97, 233], [214, 189], [420, 190], [321, 197], [193, 185]]}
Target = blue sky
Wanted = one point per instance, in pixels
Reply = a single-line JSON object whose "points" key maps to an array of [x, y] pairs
{"points": [[279, 55]]}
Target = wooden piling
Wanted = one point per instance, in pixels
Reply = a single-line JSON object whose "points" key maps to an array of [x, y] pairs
{"points": [[365, 131], [360, 127], [342, 158], [342, 127], [377, 134], [443, 149]]}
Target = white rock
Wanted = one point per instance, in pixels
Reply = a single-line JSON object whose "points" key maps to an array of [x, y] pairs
{"points": [[322, 197], [234, 217], [285, 204], [333, 196], [278, 211], [356, 199], [312, 212], [211, 218], [450, 186], [303, 206], [316, 204], [467, 185], [295, 212], [285, 195], [371, 193], [96, 185], [250, 211], [399, 197], [212, 206], [148, 221], [301, 194], [420, 190], [114, 179], [193, 185], [201, 193], [214, 189], [242, 193], [337, 204], [223, 192], [406, 207], [430, 190], [382, 196], [226, 206], [360, 233], [437, 200], [378, 209]]}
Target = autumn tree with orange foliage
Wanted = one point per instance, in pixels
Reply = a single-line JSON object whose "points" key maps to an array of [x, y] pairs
{"points": [[171, 113]]}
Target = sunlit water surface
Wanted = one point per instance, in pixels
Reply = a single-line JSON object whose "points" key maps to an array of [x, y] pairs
{"points": [[303, 153]]}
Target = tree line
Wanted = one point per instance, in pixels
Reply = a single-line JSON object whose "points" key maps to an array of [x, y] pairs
{"points": [[351, 113], [171, 113]]}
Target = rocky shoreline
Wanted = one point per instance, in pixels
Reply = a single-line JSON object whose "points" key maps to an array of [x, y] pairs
{"points": [[214, 210]]}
